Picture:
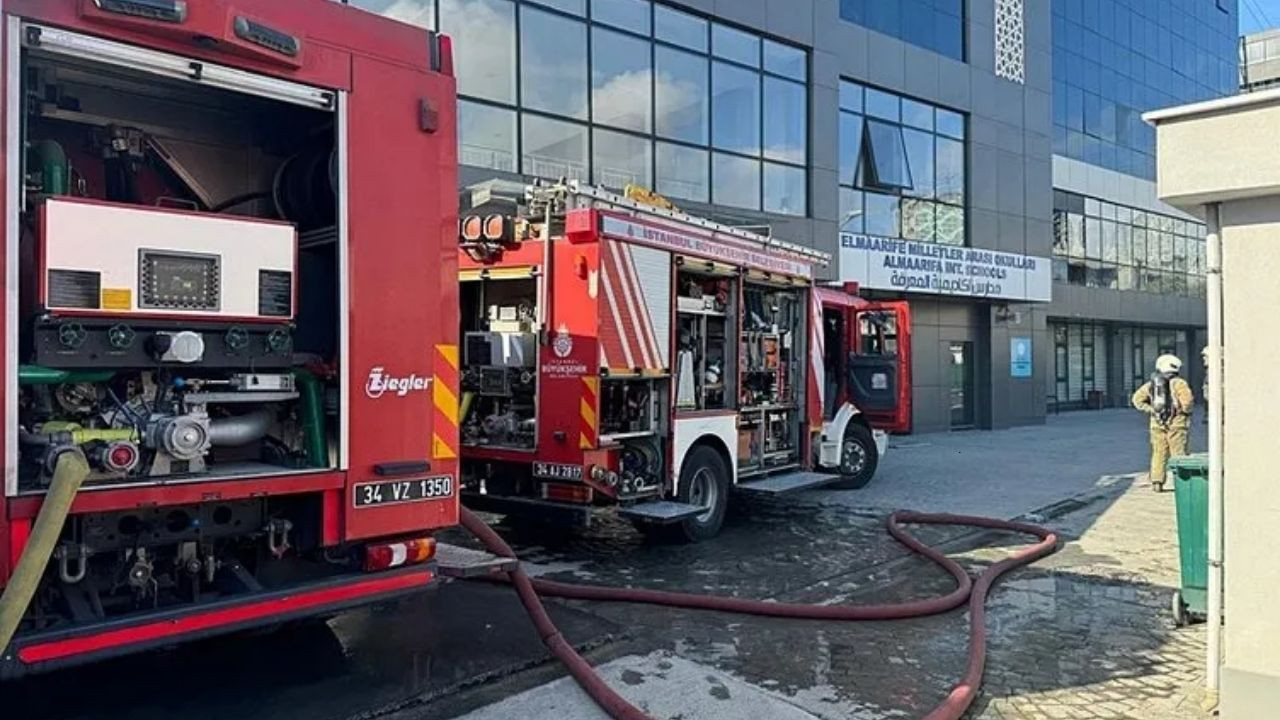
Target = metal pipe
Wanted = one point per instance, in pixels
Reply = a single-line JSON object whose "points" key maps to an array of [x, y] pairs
{"points": [[1213, 649], [313, 429], [40, 375], [239, 429]]}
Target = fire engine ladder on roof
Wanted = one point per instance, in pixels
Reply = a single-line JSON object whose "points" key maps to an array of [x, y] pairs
{"points": [[589, 196]]}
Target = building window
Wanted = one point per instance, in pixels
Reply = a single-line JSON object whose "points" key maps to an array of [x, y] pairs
{"points": [[1114, 61], [626, 91], [902, 167], [936, 25], [1101, 244], [1107, 363]]}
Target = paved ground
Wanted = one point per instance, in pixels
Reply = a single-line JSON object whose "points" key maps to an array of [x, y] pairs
{"points": [[1083, 634]]}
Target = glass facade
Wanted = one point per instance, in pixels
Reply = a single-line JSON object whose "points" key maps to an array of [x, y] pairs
{"points": [[619, 92], [1104, 245], [936, 25], [902, 167], [1104, 364], [1116, 59]]}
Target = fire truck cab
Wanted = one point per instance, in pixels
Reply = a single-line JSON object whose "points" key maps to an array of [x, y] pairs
{"points": [[622, 354]]}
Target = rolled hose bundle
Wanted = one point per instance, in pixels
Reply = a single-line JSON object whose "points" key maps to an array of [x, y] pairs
{"points": [[69, 472], [951, 708]]}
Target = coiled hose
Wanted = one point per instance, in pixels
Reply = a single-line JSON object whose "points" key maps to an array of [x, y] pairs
{"points": [[68, 473], [956, 702]]}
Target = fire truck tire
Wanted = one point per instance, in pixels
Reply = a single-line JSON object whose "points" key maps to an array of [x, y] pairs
{"points": [[858, 458], [704, 481]]}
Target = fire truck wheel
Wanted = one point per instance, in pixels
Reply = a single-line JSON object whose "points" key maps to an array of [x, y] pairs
{"points": [[858, 458], [704, 481]]}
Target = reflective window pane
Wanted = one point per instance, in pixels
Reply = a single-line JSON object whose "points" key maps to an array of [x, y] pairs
{"points": [[950, 171], [484, 47], [950, 225], [486, 136], [785, 60], [881, 214], [882, 104], [553, 63], [577, 7], [950, 124], [553, 148], [784, 189], [851, 216], [917, 114], [920, 159], [681, 89], [620, 160], [415, 12], [679, 28], [620, 80], [630, 15], [735, 45], [888, 156], [735, 109], [785, 120], [850, 96], [851, 134], [683, 172], [735, 181], [918, 219]]}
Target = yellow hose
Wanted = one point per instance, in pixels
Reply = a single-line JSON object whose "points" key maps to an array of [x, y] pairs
{"points": [[70, 471]]}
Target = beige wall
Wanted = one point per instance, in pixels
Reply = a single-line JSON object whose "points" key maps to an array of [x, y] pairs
{"points": [[1220, 155], [1251, 289]]}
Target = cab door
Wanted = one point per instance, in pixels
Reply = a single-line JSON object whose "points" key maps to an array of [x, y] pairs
{"points": [[878, 374]]}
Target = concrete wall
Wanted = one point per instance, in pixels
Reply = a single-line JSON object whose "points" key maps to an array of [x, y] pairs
{"points": [[1251, 264], [1214, 153]]}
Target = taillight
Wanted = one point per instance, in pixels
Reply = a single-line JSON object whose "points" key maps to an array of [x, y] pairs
{"points": [[495, 228], [384, 556], [472, 228]]}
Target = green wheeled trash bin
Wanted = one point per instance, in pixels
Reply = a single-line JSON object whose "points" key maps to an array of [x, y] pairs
{"points": [[1191, 491]]}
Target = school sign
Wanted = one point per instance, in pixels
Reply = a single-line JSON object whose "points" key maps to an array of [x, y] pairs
{"points": [[879, 263]]}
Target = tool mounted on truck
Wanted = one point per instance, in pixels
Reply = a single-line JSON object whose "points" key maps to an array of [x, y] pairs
{"points": [[622, 354], [217, 302]]}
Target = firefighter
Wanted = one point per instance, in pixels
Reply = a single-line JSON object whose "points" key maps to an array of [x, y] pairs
{"points": [[1168, 399]]}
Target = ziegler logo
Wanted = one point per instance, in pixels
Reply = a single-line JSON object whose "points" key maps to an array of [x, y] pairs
{"points": [[381, 382]]}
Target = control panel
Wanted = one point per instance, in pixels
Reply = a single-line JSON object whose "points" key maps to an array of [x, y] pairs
{"points": [[114, 260]]}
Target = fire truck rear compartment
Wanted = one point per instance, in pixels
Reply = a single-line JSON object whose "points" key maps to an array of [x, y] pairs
{"points": [[500, 363], [189, 363]]}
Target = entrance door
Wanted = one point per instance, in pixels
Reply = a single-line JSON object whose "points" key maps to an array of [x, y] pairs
{"points": [[962, 381]]}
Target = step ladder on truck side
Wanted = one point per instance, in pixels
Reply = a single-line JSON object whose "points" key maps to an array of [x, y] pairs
{"points": [[622, 355]]}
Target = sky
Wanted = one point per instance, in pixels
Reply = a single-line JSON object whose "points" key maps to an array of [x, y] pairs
{"points": [[1258, 15]]}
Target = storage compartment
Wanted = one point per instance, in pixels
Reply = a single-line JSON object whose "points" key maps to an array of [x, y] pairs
{"points": [[179, 274], [705, 369], [499, 363], [772, 355]]}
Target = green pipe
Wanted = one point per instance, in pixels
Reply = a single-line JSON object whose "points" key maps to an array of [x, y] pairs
{"points": [[80, 435], [39, 375], [317, 439], [69, 472]]}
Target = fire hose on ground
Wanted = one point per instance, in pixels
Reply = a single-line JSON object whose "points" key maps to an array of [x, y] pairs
{"points": [[975, 593]]}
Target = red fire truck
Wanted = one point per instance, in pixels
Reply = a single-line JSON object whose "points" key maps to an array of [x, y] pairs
{"points": [[230, 249], [617, 353]]}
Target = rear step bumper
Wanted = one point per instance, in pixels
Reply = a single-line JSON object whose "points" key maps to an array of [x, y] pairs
{"points": [[546, 511], [40, 652]]}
